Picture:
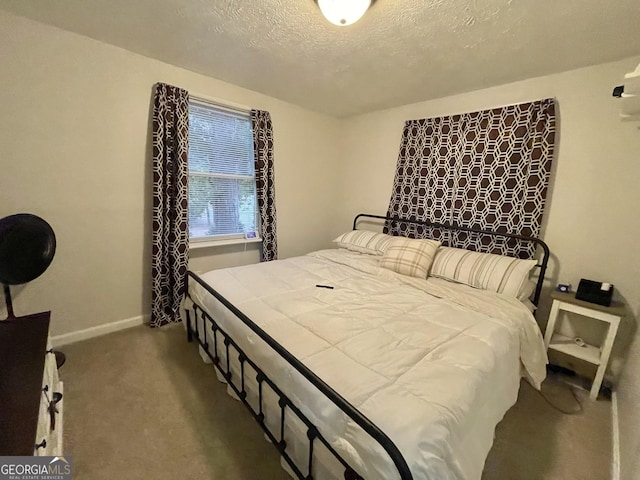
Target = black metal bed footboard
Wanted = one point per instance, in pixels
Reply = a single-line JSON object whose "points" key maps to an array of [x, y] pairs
{"points": [[223, 340]]}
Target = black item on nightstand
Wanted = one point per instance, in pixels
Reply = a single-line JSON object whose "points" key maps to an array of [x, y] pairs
{"points": [[594, 292]]}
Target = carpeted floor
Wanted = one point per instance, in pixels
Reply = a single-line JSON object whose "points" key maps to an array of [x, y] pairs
{"points": [[140, 404], [535, 441]]}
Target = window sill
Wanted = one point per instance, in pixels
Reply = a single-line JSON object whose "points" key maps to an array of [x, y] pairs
{"points": [[220, 243]]}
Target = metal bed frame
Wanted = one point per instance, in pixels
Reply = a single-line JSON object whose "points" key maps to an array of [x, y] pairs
{"points": [[222, 340]]}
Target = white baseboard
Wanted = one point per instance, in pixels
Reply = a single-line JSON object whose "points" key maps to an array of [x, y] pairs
{"points": [[72, 337], [615, 438]]}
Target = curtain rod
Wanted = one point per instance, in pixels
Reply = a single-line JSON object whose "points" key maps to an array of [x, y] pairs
{"points": [[235, 107]]}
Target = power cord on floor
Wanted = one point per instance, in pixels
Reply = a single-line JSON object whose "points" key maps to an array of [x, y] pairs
{"points": [[561, 410]]}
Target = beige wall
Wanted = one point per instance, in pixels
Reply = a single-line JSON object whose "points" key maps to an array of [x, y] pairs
{"points": [[74, 131], [591, 224]]}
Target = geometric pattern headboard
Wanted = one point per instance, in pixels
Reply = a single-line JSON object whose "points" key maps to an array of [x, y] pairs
{"points": [[487, 170]]}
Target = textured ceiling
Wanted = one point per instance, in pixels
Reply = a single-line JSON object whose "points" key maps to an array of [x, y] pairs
{"points": [[402, 51]]}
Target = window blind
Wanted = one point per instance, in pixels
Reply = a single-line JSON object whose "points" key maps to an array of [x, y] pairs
{"points": [[222, 186]]}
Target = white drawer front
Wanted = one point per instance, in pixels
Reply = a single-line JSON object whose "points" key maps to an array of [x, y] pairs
{"points": [[54, 441], [48, 441], [44, 423], [50, 375]]}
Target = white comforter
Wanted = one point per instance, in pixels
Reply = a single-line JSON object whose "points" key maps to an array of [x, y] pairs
{"points": [[435, 365]]}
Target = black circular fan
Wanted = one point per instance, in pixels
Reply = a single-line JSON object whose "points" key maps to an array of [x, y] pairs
{"points": [[27, 247]]}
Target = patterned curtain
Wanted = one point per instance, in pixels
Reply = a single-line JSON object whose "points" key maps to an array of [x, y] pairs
{"points": [[170, 209], [265, 187], [486, 170]]}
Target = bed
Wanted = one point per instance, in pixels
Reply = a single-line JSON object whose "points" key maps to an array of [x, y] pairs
{"points": [[356, 371]]}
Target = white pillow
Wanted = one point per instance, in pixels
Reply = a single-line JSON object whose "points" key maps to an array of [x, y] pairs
{"points": [[409, 256], [497, 273], [364, 241], [527, 290]]}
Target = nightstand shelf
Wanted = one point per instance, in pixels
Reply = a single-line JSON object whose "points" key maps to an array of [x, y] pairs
{"points": [[596, 355], [566, 345]]}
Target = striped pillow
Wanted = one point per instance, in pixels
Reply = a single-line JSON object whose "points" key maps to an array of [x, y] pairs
{"points": [[487, 271], [363, 241], [409, 256]]}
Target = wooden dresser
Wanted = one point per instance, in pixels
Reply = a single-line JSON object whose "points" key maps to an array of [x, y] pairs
{"points": [[30, 389]]}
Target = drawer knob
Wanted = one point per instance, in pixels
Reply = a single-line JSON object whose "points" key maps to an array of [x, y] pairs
{"points": [[53, 409], [42, 444]]}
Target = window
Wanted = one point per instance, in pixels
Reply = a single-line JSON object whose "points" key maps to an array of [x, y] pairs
{"points": [[222, 180]]}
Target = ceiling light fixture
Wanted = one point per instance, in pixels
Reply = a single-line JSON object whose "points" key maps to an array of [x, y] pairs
{"points": [[344, 12]]}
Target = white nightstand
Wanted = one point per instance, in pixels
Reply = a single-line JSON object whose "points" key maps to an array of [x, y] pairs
{"points": [[597, 355]]}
